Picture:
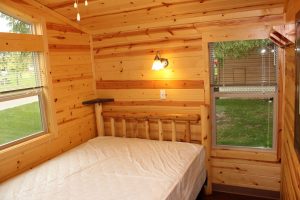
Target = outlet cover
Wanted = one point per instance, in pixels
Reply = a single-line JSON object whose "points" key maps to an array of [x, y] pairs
{"points": [[163, 94]]}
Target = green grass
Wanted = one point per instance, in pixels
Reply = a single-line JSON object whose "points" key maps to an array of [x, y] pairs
{"points": [[18, 122], [244, 122]]}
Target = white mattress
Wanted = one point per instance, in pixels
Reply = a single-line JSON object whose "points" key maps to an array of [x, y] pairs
{"points": [[114, 168]]}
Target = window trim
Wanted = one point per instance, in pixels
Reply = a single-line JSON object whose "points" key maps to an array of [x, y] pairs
{"points": [[40, 35]]}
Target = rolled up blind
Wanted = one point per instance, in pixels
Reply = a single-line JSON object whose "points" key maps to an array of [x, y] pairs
{"points": [[257, 67], [19, 71]]}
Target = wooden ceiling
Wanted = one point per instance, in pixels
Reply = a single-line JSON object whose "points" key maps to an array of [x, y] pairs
{"points": [[102, 16]]}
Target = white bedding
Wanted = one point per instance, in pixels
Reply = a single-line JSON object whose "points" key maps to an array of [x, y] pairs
{"points": [[115, 168]]}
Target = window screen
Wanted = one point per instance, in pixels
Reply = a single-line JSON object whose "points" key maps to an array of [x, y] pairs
{"points": [[244, 85]]}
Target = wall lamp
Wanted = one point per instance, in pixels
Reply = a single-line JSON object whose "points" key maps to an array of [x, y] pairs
{"points": [[159, 62]]}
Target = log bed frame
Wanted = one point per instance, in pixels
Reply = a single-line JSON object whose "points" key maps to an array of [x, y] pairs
{"points": [[202, 118]]}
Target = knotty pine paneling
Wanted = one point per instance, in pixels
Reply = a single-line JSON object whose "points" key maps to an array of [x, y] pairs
{"points": [[72, 82], [290, 187], [290, 163], [123, 63]]}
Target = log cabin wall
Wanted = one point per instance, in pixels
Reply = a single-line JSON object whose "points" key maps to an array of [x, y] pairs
{"points": [[290, 164], [72, 82], [124, 53]]}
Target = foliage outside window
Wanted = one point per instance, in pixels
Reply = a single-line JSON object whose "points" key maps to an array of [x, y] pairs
{"points": [[21, 93], [244, 85]]}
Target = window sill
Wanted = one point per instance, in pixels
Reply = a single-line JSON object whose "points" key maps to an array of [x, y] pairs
{"points": [[245, 153], [18, 148]]}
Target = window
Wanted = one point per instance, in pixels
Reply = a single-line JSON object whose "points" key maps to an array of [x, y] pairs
{"points": [[244, 89], [21, 89]]}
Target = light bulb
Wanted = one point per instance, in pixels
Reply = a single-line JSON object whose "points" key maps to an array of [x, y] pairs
{"points": [[157, 65], [75, 5], [78, 17], [86, 3], [263, 51]]}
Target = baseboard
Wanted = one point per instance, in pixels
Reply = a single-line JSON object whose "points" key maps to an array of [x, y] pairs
{"points": [[246, 191]]}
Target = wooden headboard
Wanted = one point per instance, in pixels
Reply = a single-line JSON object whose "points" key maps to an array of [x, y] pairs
{"points": [[116, 123]]}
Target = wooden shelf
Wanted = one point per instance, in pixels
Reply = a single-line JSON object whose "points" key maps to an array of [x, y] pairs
{"points": [[95, 101]]}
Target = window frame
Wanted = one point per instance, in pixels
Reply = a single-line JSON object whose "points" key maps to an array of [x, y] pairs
{"points": [[45, 96], [273, 95], [250, 95], [23, 94]]}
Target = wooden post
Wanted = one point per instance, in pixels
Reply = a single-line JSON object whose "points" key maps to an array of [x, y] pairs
{"points": [[173, 131], [160, 131], [112, 126], [188, 131], [99, 119], [147, 130], [206, 141], [124, 127], [136, 128]]}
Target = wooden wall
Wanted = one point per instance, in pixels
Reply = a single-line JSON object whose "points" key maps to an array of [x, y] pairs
{"points": [[123, 63], [290, 164], [72, 82]]}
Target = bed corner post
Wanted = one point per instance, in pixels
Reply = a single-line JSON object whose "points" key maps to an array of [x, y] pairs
{"points": [[98, 112], [99, 119], [206, 141]]}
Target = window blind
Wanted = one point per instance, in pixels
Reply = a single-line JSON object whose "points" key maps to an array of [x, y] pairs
{"points": [[19, 71], [257, 67]]}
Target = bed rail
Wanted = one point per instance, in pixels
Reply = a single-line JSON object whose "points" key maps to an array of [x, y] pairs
{"points": [[158, 117]]}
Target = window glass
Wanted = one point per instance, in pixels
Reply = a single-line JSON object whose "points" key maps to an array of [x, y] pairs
{"points": [[19, 70], [244, 122], [12, 25], [20, 118]]}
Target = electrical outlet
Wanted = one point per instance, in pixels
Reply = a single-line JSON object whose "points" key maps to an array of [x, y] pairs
{"points": [[163, 94]]}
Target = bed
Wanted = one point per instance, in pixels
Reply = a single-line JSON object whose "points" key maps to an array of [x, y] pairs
{"points": [[110, 167]]}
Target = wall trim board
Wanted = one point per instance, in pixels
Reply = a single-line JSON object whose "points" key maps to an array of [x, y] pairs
{"points": [[157, 103], [64, 47], [151, 51], [246, 191], [150, 84], [62, 28]]}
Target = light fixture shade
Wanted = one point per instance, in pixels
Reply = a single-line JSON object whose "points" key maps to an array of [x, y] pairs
{"points": [[157, 65]]}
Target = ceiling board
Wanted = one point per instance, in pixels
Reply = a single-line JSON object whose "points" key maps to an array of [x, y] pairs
{"points": [[102, 16]]}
